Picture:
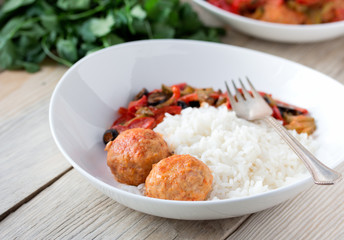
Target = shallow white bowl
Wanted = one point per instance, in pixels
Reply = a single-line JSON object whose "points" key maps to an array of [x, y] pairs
{"points": [[287, 33], [85, 102]]}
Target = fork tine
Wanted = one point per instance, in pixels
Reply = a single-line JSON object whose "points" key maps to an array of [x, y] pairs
{"points": [[254, 91], [231, 98], [237, 93], [246, 94]]}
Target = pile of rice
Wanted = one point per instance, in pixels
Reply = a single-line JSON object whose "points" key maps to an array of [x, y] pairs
{"points": [[245, 157]]}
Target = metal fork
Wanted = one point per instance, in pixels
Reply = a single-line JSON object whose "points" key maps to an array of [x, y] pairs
{"points": [[254, 107]]}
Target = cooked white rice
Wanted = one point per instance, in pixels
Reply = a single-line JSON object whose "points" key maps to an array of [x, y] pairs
{"points": [[245, 158]]}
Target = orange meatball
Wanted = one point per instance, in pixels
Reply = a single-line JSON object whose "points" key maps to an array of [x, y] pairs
{"points": [[132, 154], [179, 177]]}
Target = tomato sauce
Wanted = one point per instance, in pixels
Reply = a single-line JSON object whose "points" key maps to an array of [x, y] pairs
{"points": [[286, 11]]}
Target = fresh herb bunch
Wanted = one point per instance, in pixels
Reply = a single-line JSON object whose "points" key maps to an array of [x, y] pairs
{"points": [[67, 30]]}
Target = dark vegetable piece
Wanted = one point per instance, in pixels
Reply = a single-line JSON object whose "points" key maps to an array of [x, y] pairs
{"points": [[286, 105], [156, 98], [210, 101], [144, 112], [187, 90], [204, 92], [288, 110], [110, 135], [194, 104], [172, 100], [167, 90], [182, 104], [282, 110], [267, 99], [275, 111], [221, 100], [143, 92]]}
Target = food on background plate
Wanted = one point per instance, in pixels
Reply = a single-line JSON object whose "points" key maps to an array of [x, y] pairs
{"points": [[244, 157], [132, 154], [179, 177], [286, 11]]}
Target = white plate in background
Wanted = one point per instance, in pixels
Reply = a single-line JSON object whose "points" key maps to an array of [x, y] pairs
{"points": [[287, 33]]}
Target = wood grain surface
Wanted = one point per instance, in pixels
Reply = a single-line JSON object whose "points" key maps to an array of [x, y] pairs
{"points": [[42, 197], [29, 157], [81, 211]]}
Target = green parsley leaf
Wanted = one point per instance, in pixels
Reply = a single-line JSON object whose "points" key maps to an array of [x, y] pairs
{"points": [[11, 5], [101, 26], [66, 48], [74, 4], [138, 12], [67, 30]]}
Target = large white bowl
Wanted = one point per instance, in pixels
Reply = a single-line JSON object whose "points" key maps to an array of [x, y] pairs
{"points": [[287, 33], [85, 102]]}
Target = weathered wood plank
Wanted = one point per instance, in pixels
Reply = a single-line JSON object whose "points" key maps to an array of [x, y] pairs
{"points": [[72, 209], [315, 214], [29, 158]]}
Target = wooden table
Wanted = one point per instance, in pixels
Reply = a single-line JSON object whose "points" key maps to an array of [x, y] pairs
{"points": [[43, 197]]}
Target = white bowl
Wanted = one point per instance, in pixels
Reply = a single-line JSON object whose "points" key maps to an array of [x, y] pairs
{"points": [[87, 97], [287, 33]]}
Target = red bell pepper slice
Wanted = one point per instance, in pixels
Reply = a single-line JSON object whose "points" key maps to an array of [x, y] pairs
{"points": [[181, 86], [120, 128], [276, 113], [173, 110], [134, 105], [122, 111], [176, 92], [339, 14], [159, 118], [189, 97], [224, 5], [159, 114], [142, 122], [125, 116], [122, 120]]}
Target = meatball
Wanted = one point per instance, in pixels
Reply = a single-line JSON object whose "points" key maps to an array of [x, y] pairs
{"points": [[131, 155], [179, 177]]}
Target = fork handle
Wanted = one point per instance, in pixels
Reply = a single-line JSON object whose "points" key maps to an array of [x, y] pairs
{"points": [[321, 174]]}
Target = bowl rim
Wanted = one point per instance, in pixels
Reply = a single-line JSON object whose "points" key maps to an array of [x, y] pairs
{"points": [[301, 182], [271, 25]]}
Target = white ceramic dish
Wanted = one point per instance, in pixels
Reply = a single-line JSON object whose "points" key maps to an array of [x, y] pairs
{"points": [[87, 97], [275, 31]]}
